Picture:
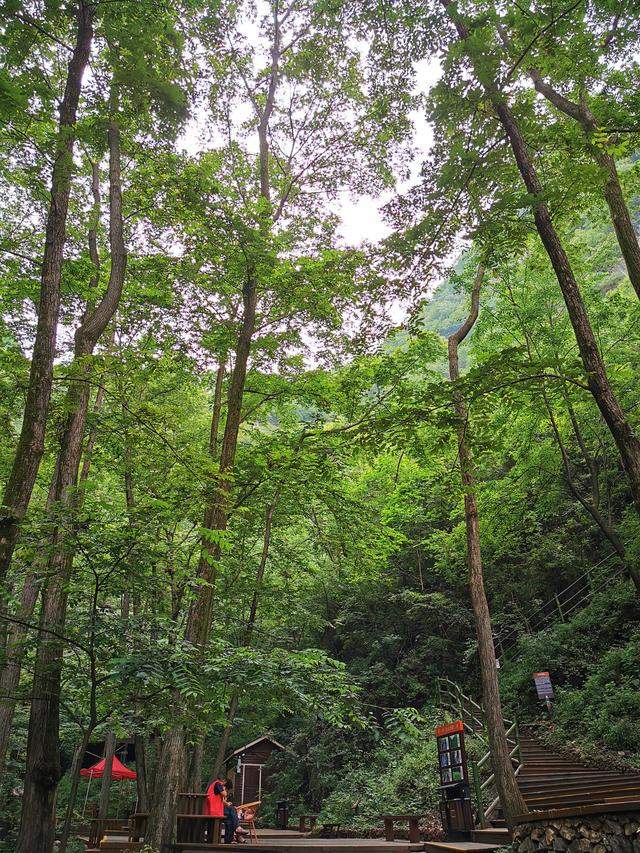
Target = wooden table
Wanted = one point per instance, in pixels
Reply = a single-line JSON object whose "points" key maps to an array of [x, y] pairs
{"points": [[414, 826]]}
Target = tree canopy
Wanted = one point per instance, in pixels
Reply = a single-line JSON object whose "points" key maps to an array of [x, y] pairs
{"points": [[257, 479]]}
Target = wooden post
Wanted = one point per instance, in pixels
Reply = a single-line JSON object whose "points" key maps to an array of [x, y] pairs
{"points": [[388, 829], [559, 606], [414, 831], [475, 777]]}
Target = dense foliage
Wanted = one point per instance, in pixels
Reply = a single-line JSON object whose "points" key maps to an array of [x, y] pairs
{"points": [[233, 497]]}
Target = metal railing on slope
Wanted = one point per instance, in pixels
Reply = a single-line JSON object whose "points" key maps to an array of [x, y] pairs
{"points": [[458, 704], [562, 605]]}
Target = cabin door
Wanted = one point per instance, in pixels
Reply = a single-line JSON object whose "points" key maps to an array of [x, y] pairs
{"points": [[251, 785]]}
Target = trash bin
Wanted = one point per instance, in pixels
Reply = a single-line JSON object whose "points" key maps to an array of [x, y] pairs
{"points": [[282, 814], [455, 810]]}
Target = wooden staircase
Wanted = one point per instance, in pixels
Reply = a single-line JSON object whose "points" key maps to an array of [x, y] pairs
{"points": [[549, 780]]}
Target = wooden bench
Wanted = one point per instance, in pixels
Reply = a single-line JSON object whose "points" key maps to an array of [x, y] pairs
{"points": [[98, 828], [413, 821], [313, 819], [188, 804], [195, 832], [198, 830]]}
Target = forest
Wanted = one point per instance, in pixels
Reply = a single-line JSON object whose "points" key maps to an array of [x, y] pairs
{"points": [[319, 357]]}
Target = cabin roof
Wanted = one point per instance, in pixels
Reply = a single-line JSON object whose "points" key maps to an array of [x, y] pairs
{"points": [[254, 743]]}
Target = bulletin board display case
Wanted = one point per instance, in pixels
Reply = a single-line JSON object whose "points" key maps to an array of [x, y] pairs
{"points": [[452, 755]]}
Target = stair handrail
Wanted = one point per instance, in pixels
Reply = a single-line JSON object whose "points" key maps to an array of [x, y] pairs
{"points": [[480, 786], [457, 704], [560, 606]]}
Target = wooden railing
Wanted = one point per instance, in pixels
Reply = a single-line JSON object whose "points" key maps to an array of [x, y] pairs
{"points": [[483, 788], [459, 705]]}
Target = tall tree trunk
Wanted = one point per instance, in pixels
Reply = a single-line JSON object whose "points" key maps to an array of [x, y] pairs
{"points": [[590, 506], [223, 743], [195, 765], [216, 411], [15, 651], [18, 630], [73, 791], [43, 762], [612, 190], [30, 447], [139, 744], [624, 436], [173, 763], [170, 774], [511, 798], [139, 740], [105, 787]]}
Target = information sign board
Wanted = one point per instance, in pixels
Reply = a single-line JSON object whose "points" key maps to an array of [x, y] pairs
{"points": [[543, 684], [452, 758]]}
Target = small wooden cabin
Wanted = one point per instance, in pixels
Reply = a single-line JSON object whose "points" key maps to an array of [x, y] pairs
{"points": [[247, 767]]}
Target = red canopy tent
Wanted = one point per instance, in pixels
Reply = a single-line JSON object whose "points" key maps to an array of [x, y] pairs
{"points": [[118, 773], [118, 770]]}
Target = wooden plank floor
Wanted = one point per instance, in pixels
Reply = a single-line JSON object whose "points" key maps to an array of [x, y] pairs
{"points": [[287, 842], [462, 846]]}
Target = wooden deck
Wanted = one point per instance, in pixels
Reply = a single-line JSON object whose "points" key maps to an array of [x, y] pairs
{"points": [[274, 841]]}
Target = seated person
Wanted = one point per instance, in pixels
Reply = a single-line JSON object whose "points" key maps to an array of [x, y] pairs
{"points": [[232, 829]]}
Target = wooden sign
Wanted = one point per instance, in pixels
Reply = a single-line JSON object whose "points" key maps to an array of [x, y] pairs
{"points": [[543, 684], [452, 755]]}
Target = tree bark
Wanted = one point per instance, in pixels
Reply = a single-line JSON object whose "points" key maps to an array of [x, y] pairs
{"points": [[18, 630], [169, 775], [624, 436], [105, 787], [223, 743], [195, 765], [590, 506], [30, 447], [43, 763], [140, 747], [15, 651], [511, 798], [172, 761], [142, 787], [612, 190], [73, 791]]}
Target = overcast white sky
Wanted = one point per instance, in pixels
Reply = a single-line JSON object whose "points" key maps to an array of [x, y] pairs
{"points": [[361, 215]]}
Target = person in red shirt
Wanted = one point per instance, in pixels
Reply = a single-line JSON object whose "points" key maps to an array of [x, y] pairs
{"points": [[214, 804]]}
